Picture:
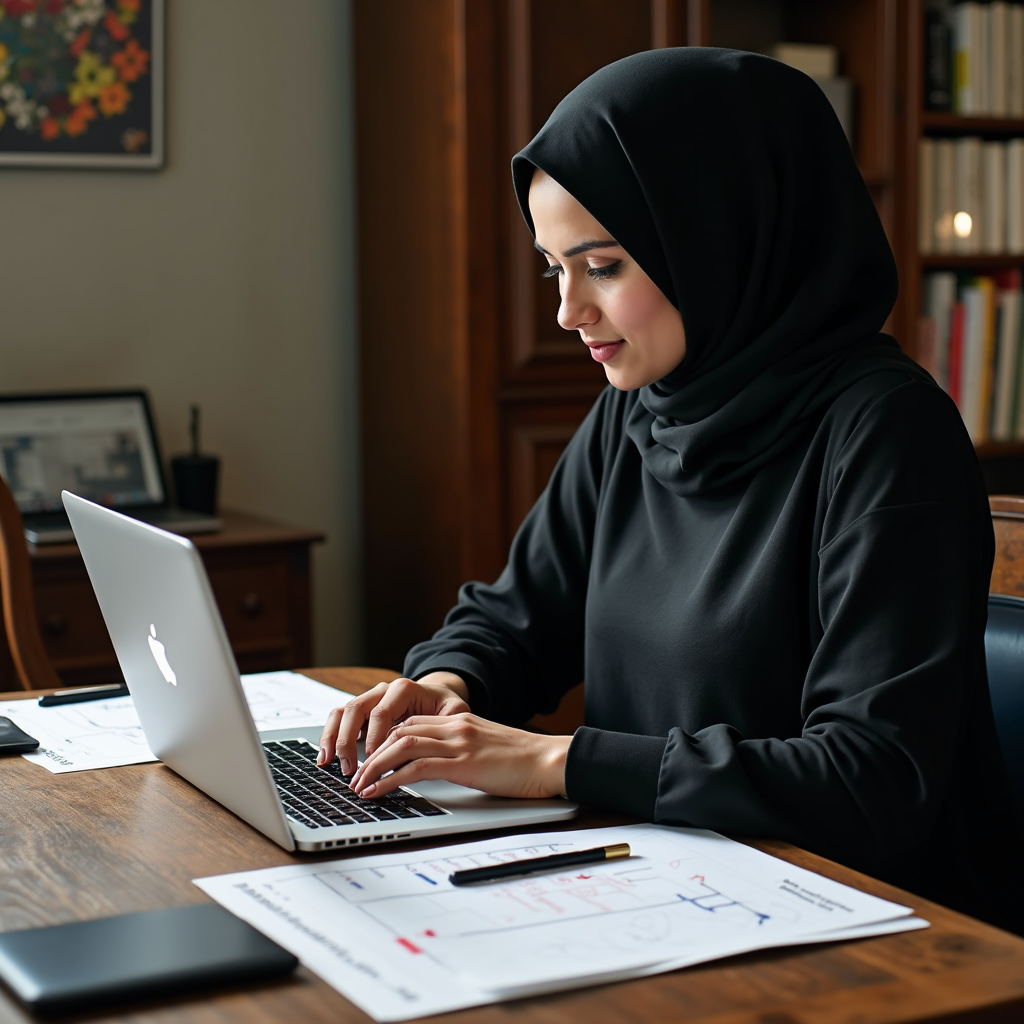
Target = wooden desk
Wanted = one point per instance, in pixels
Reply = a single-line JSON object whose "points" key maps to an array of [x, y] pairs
{"points": [[259, 571], [97, 843]]}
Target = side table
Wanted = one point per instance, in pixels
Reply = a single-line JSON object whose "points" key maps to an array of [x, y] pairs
{"points": [[260, 574]]}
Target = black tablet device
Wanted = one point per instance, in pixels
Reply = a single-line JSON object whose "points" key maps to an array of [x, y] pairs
{"points": [[156, 952]]}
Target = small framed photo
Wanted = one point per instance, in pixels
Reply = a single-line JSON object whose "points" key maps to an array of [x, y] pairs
{"points": [[82, 83]]}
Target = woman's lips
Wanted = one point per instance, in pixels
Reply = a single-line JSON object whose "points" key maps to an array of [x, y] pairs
{"points": [[604, 351]]}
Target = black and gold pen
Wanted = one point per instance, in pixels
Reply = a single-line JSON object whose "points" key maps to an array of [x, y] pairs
{"points": [[555, 862]]}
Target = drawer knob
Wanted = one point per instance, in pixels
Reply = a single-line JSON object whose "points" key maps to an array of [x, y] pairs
{"points": [[252, 604], [55, 624]]}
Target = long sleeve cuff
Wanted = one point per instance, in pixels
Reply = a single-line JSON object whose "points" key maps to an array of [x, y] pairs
{"points": [[615, 770]]}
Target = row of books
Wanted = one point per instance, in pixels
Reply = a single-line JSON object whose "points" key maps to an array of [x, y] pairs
{"points": [[970, 196], [974, 58], [970, 341]]}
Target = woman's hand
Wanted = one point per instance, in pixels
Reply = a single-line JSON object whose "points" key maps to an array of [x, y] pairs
{"points": [[377, 710], [468, 750]]}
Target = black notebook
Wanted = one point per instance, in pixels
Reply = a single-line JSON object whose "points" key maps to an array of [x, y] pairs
{"points": [[152, 953]]}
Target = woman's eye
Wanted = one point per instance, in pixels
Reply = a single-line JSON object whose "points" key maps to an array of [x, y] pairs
{"points": [[603, 273], [553, 271]]}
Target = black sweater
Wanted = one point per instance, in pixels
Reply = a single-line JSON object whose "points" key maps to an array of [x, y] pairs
{"points": [[798, 654]]}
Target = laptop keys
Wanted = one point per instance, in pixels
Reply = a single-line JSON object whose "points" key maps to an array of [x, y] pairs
{"points": [[320, 797]]}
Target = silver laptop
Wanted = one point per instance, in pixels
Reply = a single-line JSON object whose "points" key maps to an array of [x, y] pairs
{"points": [[101, 444], [175, 656]]}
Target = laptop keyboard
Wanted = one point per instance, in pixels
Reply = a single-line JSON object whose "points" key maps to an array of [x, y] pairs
{"points": [[321, 798]]}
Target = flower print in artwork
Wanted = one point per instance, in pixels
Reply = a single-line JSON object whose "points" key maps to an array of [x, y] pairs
{"points": [[81, 83]]}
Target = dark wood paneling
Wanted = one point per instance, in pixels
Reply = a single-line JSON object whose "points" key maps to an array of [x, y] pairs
{"points": [[536, 434], [410, 144], [446, 92], [552, 48]]}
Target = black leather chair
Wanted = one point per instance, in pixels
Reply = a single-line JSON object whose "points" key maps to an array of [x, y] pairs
{"points": [[1004, 652]]}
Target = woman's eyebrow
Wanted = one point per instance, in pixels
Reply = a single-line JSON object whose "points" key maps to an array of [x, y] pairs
{"points": [[590, 243]]}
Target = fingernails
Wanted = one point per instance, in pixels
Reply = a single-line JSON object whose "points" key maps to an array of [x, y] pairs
{"points": [[321, 758], [369, 791], [346, 767]]}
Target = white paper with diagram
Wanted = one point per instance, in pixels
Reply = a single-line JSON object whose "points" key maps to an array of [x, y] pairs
{"points": [[413, 944], [107, 733]]}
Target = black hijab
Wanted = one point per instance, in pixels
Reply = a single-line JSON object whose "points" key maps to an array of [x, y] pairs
{"points": [[727, 177]]}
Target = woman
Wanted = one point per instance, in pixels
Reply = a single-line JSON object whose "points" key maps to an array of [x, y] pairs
{"points": [[767, 549]]}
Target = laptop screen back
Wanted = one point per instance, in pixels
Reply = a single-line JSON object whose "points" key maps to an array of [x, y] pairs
{"points": [[101, 447]]}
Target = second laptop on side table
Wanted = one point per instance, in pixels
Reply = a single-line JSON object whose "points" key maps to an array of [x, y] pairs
{"points": [[101, 445]]}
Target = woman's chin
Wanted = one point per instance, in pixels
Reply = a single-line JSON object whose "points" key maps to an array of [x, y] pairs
{"points": [[624, 378]]}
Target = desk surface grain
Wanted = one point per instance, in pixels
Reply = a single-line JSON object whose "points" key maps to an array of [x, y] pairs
{"points": [[92, 844]]}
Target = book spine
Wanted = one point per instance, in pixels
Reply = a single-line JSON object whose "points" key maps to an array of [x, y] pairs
{"points": [[993, 195], [945, 194], [967, 220], [938, 86], [940, 297], [986, 359], [998, 38], [1008, 320], [1015, 60], [973, 364], [956, 353], [926, 196], [963, 91], [982, 64], [1018, 391], [1015, 196]]}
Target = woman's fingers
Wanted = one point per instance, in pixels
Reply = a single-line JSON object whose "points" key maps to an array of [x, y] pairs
{"points": [[446, 738], [374, 713], [401, 697], [329, 737], [342, 741], [383, 758], [412, 760]]}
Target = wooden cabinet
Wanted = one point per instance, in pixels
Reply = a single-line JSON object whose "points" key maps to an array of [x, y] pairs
{"points": [[470, 388], [259, 572]]}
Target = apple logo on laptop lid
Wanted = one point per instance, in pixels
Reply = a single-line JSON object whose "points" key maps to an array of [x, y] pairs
{"points": [[160, 657]]}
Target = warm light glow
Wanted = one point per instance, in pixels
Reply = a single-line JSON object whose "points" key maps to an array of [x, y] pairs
{"points": [[962, 224]]}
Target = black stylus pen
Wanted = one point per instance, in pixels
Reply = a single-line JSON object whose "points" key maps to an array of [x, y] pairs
{"points": [[534, 864], [84, 693]]}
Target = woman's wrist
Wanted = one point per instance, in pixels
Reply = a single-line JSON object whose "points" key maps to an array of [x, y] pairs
{"points": [[554, 751], [448, 680]]}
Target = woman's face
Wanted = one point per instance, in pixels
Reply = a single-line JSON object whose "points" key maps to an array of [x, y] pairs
{"points": [[622, 316]]}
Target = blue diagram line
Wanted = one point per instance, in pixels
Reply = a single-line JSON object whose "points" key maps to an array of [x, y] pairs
{"points": [[425, 879], [711, 894]]}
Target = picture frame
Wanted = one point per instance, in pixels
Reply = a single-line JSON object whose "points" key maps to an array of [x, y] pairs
{"points": [[82, 83]]}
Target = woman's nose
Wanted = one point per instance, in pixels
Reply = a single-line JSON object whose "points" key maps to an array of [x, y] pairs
{"points": [[575, 311]]}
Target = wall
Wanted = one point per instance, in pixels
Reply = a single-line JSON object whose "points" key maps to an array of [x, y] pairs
{"points": [[225, 279]]}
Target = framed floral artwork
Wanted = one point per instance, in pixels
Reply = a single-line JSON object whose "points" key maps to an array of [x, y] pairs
{"points": [[82, 83]]}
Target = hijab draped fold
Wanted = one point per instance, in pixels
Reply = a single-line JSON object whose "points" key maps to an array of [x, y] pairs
{"points": [[728, 178]]}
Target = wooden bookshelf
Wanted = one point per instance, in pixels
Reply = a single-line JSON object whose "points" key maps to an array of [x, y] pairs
{"points": [[1003, 463]]}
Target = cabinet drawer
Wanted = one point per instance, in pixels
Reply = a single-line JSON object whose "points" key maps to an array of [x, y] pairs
{"points": [[72, 626], [253, 601]]}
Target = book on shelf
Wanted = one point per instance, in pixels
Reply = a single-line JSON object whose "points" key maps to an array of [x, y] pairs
{"points": [[970, 196], [974, 58], [970, 340], [938, 70]]}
